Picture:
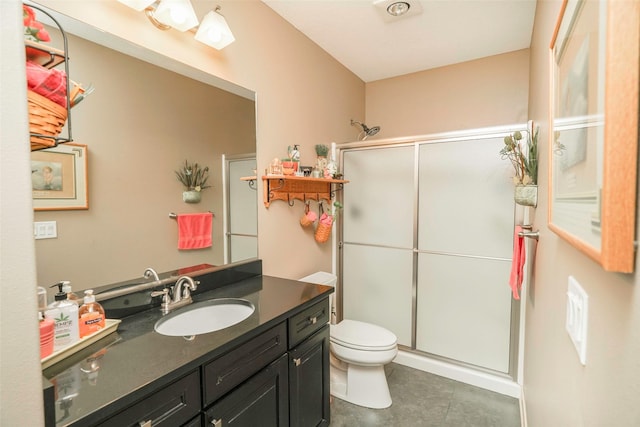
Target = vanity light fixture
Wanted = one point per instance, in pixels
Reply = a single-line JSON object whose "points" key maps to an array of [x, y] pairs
{"points": [[179, 14], [214, 30]]}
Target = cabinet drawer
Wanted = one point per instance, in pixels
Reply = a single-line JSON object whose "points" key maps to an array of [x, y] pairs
{"points": [[308, 321], [171, 406], [226, 372]]}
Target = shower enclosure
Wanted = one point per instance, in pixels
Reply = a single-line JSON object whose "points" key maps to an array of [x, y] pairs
{"points": [[241, 210], [425, 245]]}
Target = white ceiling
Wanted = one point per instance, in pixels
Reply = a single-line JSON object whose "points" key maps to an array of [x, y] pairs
{"points": [[445, 32]]}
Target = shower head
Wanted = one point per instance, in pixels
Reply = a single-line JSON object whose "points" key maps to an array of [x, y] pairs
{"points": [[366, 131]]}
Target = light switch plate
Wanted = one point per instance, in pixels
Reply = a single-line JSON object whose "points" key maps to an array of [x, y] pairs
{"points": [[45, 230], [577, 317]]}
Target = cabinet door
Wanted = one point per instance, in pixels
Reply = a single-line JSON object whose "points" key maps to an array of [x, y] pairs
{"points": [[309, 381], [260, 401]]}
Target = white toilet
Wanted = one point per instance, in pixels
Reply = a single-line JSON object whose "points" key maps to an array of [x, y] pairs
{"points": [[359, 352]]}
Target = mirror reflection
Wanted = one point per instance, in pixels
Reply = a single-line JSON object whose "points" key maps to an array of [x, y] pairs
{"points": [[140, 125]]}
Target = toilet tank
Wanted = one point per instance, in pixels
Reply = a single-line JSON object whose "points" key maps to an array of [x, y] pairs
{"points": [[321, 278]]}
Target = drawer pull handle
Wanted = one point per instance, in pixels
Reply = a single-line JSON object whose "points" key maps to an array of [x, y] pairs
{"points": [[313, 320], [217, 423], [147, 423], [297, 361]]}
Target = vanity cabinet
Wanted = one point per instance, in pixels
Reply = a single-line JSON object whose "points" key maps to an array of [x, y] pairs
{"points": [[276, 378]]}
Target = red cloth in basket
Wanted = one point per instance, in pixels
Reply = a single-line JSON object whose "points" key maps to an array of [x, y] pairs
{"points": [[50, 83]]}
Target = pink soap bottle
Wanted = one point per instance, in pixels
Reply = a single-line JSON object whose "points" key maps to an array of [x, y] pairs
{"points": [[46, 325]]}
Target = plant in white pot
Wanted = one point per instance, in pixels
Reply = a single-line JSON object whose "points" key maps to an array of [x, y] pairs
{"points": [[194, 179], [522, 152]]}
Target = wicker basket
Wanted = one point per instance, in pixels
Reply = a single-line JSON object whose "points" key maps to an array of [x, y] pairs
{"points": [[45, 118], [305, 221], [323, 232]]}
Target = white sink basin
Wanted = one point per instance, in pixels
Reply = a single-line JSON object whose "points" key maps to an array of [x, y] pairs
{"points": [[205, 316]]}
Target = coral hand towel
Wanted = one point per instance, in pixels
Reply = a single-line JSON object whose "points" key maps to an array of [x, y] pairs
{"points": [[194, 230], [517, 263]]}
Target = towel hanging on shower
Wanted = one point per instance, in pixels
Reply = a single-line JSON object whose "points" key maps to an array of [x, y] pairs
{"points": [[517, 262]]}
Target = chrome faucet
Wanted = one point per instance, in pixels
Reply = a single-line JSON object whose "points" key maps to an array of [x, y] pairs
{"points": [[149, 273], [181, 293]]}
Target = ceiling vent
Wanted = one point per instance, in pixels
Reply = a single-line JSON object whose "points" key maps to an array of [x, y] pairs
{"points": [[396, 10]]}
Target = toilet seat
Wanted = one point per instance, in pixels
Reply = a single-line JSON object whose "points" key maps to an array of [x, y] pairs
{"points": [[362, 336]]}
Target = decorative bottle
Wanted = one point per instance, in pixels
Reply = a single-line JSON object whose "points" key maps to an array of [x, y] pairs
{"points": [[91, 314], [65, 317]]}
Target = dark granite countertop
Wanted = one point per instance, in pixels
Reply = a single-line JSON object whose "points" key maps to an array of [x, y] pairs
{"points": [[125, 365]]}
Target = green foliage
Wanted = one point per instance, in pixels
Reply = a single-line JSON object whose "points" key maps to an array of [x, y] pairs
{"points": [[193, 177], [523, 155], [322, 150]]}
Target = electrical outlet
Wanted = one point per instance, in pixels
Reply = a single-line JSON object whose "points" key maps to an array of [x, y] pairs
{"points": [[577, 317], [45, 230]]}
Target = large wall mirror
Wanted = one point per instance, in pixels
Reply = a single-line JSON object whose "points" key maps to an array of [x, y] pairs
{"points": [[147, 115], [594, 129]]}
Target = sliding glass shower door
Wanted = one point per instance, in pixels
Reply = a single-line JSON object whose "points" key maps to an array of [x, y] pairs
{"points": [[465, 242], [378, 237], [426, 246]]}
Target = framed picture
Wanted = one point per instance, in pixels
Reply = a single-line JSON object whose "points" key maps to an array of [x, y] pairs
{"points": [[59, 178], [593, 145]]}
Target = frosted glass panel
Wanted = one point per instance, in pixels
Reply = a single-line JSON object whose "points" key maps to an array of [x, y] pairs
{"points": [[464, 309], [379, 198], [466, 199], [242, 207], [243, 212], [243, 247], [377, 288]]}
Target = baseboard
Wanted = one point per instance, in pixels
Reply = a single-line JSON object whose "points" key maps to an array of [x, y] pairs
{"points": [[463, 374]]}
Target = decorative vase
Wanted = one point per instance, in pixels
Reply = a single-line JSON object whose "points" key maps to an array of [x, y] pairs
{"points": [[321, 163], [191, 196], [526, 195]]}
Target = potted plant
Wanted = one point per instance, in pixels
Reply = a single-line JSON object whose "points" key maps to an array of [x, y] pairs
{"points": [[194, 179], [523, 155]]}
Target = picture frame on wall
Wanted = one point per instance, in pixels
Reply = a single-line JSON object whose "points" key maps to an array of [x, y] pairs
{"points": [[59, 178], [593, 140]]}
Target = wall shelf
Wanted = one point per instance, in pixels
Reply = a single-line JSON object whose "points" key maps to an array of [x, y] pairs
{"points": [[290, 188]]}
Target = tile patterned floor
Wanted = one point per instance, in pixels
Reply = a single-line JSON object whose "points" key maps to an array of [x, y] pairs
{"points": [[421, 399]]}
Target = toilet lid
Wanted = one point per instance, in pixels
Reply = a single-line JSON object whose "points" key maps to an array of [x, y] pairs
{"points": [[356, 334]]}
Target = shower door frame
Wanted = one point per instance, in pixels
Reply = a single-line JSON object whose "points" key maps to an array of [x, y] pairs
{"points": [[416, 142]]}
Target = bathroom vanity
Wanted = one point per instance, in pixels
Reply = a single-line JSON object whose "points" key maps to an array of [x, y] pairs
{"points": [[272, 369]]}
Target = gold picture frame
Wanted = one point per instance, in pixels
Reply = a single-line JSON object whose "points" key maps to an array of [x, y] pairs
{"points": [[59, 178], [593, 145]]}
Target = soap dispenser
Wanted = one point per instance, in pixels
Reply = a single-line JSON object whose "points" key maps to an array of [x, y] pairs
{"points": [[64, 314], [46, 325], [91, 313]]}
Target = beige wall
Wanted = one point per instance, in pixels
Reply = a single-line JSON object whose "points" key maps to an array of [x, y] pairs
{"points": [[303, 97], [20, 378], [559, 391], [486, 92], [140, 125]]}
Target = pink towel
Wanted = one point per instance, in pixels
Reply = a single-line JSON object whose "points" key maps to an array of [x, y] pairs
{"points": [[194, 230], [517, 263]]}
